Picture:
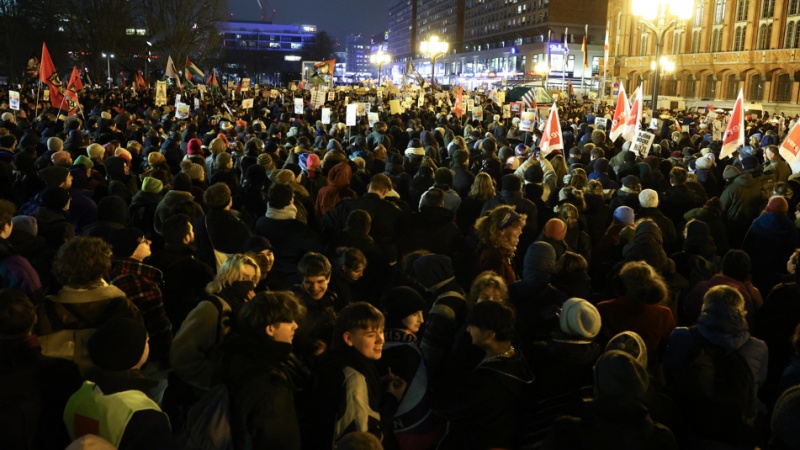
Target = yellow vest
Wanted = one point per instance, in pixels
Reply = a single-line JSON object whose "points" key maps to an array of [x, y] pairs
{"points": [[89, 411]]}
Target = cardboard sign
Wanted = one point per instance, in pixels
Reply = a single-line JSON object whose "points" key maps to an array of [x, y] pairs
{"points": [[196, 103], [247, 103], [331, 96], [477, 113], [182, 111], [326, 116], [230, 84], [273, 93], [421, 101], [352, 112], [13, 100], [501, 97], [516, 108], [298, 105], [526, 124], [373, 118], [394, 106], [506, 111], [470, 104], [598, 121], [642, 141]]}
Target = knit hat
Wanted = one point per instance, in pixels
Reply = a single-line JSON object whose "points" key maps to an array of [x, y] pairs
{"points": [[512, 183], [333, 144], [118, 344], [152, 185], [265, 160], [555, 229], [400, 302], [155, 158], [61, 158], [619, 377], [55, 198], [313, 162], [648, 198], [703, 163], [54, 175], [83, 160], [631, 343], [430, 270], [534, 174], [731, 172], [124, 154], [777, 204], [580, 318], [282, 176], [55, 144], [27, 224], [124, 241], [95, 151], [193, 170], [460, 156], [194, 147], [522, 150], [749, 163], [257, 244], [624, 214]]}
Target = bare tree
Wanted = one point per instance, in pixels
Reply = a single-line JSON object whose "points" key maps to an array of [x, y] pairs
{"points": [[23, 27], [182, 28]]}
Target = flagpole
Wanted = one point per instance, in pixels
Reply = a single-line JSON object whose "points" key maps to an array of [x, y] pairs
{"points": [[566, 54], [601, 92], [38, 91], [585, 56]]}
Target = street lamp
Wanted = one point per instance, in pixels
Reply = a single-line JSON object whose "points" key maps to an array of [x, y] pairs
{"points": [[379, 58], [542, 68], [108, 57], [147, 61], [653, 15], [665, 66], [433, 47]]}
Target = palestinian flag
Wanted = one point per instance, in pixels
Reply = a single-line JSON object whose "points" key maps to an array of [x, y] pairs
{"points": [[193, 71], [212, 82]]}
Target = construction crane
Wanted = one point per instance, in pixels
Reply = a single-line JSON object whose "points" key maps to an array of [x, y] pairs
{"points": [[263, 11]]}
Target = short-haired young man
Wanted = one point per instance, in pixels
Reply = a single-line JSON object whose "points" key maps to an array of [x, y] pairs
{"points": [[220, 230], [350, 393], [481, 404], [316, 329]]}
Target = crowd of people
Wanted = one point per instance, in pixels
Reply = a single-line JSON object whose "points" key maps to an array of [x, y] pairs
{"points": [[427, 281]]}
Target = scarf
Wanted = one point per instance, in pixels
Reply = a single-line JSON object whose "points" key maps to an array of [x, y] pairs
{"points": [[287, 213]]}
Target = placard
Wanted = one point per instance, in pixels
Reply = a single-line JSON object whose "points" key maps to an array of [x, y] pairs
{"points": [[247, 103], [470, 104], [501, 97], [642, 141], [161, 93], [326, 116], [526, 124], [477, 113], [506, 111], [373, 119], [516, 108], [352, 112], [46, 95], [331, 96], [182, 111], [196, 103], [13, 100], [245, 84], [394, 106], [600, 121], [298, 105], [273, 93]]}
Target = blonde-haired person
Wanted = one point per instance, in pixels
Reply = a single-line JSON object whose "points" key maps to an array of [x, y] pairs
{"points": [[482, 190], [193, 355], [498, 232], [577, 237], [487, 286]]}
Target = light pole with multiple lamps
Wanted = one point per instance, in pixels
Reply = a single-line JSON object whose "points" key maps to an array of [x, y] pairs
{"points": [[665, 66], [654, 14], [433, 47], [544, 69], [108, 57], [380, 58]]}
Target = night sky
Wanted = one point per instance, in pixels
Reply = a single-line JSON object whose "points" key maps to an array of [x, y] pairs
{"points": [[337, 17]]}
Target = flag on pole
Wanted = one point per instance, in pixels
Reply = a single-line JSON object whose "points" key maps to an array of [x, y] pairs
{"points": [[138, 81], [620, 115], [583, 48], [551, 135], [605, 51], [49, 76], [71, 93], [566, 40], [213, 82], [172, 73], [790, 148], [633, 123], [459, 107], [734, 133], [122, 85], [529, 98], [193, 71], [326, 67]]}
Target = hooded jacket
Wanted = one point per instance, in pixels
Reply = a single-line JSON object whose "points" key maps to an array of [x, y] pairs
{"points": [[338, 187]]}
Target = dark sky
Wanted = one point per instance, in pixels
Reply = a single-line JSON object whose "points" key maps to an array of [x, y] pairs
{"points": [[337, 17]]}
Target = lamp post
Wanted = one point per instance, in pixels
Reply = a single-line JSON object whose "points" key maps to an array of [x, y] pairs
{"points": [[379, 58], [108, 57], [542, 68], [433, 47], [147, 62], [654, 17]]}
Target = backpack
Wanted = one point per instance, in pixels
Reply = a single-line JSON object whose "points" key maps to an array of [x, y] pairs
{"points": [[715, 391]]}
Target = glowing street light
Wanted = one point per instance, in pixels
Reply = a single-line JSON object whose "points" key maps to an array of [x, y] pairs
{"points": [[379, 58], [434, 48], [108, 67]]}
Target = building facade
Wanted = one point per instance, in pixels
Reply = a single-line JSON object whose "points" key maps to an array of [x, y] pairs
{"points": [[725, 46], [402, 29], [357, 48]]}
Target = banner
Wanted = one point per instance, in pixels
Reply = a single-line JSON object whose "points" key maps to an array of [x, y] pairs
{"points": [[182, 111], [161, 93], [633, 122], [506, 111], [551, 135], [734, 133], [790, 148], [620, 115], [247, 103]]}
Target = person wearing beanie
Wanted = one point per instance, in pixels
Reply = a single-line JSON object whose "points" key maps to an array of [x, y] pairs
{"points": [[580, 318], [56, 176], [722, 326], [649, 201], [495, 387], [84, 161], [443, 179], [144, 205], [61, 158], [194, 171], [52, 217], [617, 416], [220, 232], [265, 160], [55, 144], [114, 400], [740, 200], [414, 424], [608, 249], [770, 241], [627, 194], [194, 147], [413, 155], [336, 190], [554, 232]]}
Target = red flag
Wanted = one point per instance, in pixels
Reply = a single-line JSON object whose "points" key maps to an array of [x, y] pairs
{"points": [[551, 136], [790, 149], [459, 108], [620, 115], [633, 122], [138, 81], [122, 84], [71, 93], [212, 79], [734, 133], [585, 54], [238, 87], [49, 76]]}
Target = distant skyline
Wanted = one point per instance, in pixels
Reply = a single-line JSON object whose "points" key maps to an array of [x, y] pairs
{"points": [[337, 18]]}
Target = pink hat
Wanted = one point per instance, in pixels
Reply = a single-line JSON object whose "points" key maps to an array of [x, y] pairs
{"points": [[194, 147], [61, 158], [313, 162]]}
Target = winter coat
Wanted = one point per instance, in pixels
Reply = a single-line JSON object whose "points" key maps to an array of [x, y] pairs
{"points": [[171, 200], [338, 188], [433, 229], [770, 242], [291, 239], [740, 201], [653, 323]]}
